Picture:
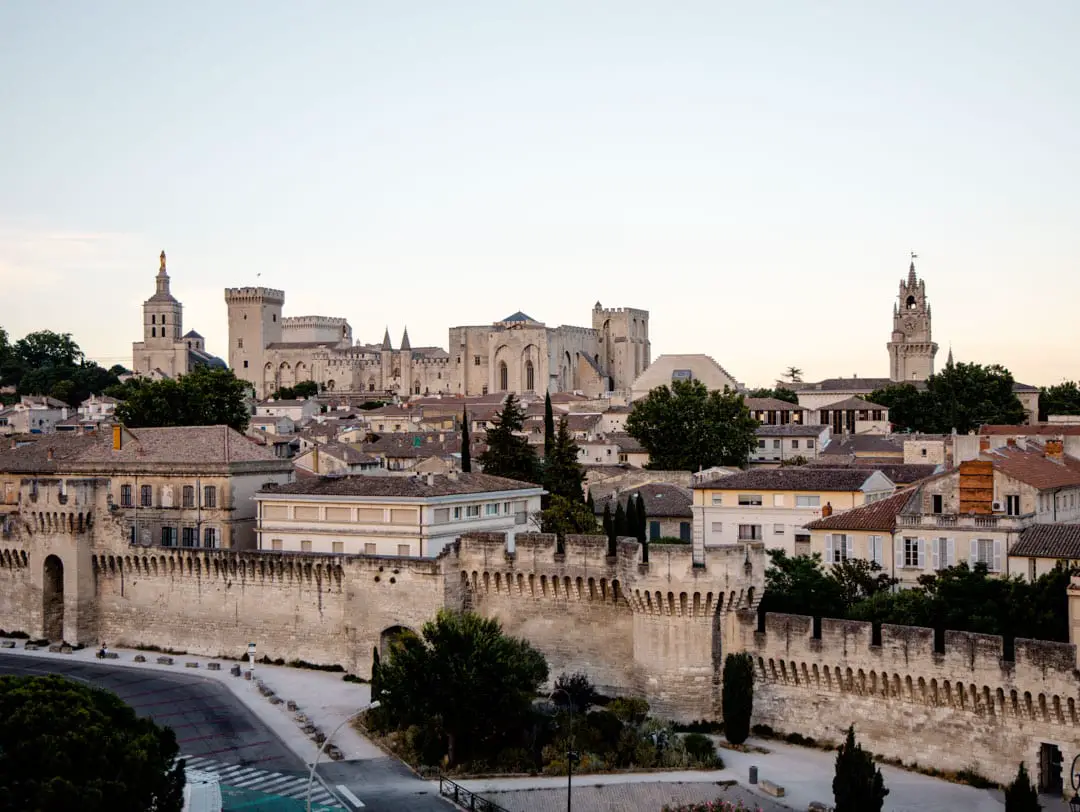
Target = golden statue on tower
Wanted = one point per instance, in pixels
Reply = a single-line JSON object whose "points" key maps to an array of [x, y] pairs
{"points": [[162, 262]]}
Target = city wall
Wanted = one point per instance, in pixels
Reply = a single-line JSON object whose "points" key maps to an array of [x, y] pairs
{"points": [[964, 709]]}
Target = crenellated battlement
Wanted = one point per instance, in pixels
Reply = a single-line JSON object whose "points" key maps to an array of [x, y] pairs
{"points": [[255, 295], [313, 321]]}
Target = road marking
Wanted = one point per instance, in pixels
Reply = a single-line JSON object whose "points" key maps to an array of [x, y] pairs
{"points": [[344, 790]]}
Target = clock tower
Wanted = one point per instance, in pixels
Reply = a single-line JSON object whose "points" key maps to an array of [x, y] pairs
{"points": [[911, 350]]}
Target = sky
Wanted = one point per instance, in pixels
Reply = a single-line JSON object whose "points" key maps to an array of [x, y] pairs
{"points": [[756, 175]]}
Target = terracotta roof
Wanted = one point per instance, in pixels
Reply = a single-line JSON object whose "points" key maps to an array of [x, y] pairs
{"points": [[401, 486], [844, 385], [579, 421], [866, 444], [406, 445], [801, 478], [1049, 541], [662, 500], [1033, 468], [346, 453], [791, 430], [900, 473], [853, 403], [771, 405], [1036, 430], [879, 515]]}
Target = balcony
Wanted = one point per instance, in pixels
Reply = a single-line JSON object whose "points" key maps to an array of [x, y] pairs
{"points": [[965, 522]]}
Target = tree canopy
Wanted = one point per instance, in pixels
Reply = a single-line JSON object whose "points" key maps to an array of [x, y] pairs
{"points": [[69, 746], [563, 474], [304, 389], [508, 453], [1062, 398], [48, 363], [858, 785], [468, 685], [204, 397], [685, 427], [961, 396], [779, 393]]}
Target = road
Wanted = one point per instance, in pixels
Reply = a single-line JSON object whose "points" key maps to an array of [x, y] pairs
{"points": [[213, 726]]}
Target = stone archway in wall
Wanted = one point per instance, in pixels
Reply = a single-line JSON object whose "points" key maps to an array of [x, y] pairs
{"points": [[530, 368], [390, 637], [52, 599]]}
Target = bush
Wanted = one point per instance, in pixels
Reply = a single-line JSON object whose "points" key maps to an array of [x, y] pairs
{"points": [[334, 669], [630, 710], [580, 690], [857, 784], [700, 749], [703, 726], [1020, 795], [738, 696], [719, 805], [353, 678]]}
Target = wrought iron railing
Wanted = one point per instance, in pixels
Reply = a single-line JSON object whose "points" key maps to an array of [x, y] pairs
{"points": [[465, 798]]}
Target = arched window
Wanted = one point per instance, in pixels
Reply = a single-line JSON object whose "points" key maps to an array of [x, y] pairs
{"points": [[153, 332], [504, 377], [162, 318], [530, 377], [416, 387], [153, 318]]}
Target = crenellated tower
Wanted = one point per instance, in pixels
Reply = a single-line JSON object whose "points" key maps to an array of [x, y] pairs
{"points": [[254, 322], [624, 343], [911, 348]]}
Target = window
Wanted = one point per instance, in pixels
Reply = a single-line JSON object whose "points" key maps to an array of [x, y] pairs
{"points": [[684, 531], [1012, 504], [760, 443], [476, 360], [807, 501], [168, 537], [153, 332], [943, 553], [837, 548], [750, 499], [775, 444], [240, 343], [717, 499], [939, 503], [654, 530], [146, 496], [188, 496], [717, 527], [125, 496], [922, 451], [305, 546], [986, 551], [370, 548], [809, 443], [491, 510], [131, 534], [209, 496], [163, 321], [339, 546], [442, 515], [472, 511], [911, 554], [457, 513], [875, 550], [749, 532], [210, 538], [778, 500], [778, 529], [153, 318], [794, 445], [245, 365], [275, 544], [403, 550], [189, 536]]}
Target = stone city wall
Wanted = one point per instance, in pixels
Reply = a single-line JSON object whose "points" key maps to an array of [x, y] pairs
{"points": [[964, 709]]}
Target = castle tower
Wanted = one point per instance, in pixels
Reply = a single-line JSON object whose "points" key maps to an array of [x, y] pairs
{"points": [[254, 323], [912, 349], [625, 350]]}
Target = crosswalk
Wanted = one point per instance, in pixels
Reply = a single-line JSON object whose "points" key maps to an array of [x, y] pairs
{"points": [[283, 785]]}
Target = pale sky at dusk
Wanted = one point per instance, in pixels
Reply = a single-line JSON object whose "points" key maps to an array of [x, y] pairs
{"points": [[754, 174]]}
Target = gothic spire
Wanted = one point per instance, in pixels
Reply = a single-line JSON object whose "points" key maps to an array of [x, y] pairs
{"points": [[911, 280], [386, 345], [405, 345], [949, 360]]}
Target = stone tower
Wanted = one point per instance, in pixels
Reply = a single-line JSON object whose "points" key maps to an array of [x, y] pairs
{"points": [[254, 322], [911, 350], [162, 314], [624, 343]]}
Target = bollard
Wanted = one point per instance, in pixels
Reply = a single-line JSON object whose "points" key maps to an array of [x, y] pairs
{"points": [[753, 775]]}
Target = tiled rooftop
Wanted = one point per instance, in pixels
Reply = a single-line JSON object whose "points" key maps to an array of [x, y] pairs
{"points": [[401, 486]]}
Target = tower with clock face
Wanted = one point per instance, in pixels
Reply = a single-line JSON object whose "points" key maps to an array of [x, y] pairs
{"points": [[911, 350]]}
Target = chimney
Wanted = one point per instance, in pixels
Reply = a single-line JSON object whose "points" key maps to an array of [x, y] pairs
{"points": [[984, 445], [431, 480], [1055, 451], [117, 438], [1011, 442], [827, 510], [315, 458], [50, 455]]}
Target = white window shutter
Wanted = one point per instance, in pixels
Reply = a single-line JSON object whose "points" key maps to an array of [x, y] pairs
{"points": [[952, 553], [898, 548], [922, 554], [935, 545], [828, 548], [973, 553], [879, 551], [997, 555]]}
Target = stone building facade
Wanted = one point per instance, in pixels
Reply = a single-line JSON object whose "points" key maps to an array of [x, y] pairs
{"points": [[517, 354], [911, 347]]}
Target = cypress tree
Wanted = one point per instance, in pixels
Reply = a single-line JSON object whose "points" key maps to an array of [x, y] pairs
{"points": [[857, 785], [631, 516], [619, 523], [590, 503], [549, 426], [563, 474], [466, 452], [738, 697], [1021, 795], [376, 673], [642, 520], [609, 528]]}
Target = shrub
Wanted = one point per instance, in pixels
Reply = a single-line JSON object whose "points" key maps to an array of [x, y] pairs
{"points": [[857, 784], [630, 710], [700, 749], [738, 696], [353, 678], [580, 690], [1020, 795], [703, 726], [719, 805]]}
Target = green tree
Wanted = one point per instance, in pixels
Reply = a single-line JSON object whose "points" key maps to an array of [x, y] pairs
{"points": [[47, 349], [590, 503], [464, 682], [908, 409], [609, 522], [685, 427], [549, 426], [858, 579], [466, 451], [1021, 795], [631, 516], [642, 520], [575, 689], [376, 672], [738, 696], [1062, 398], [69, 746], [799, 585], [779, 393], [793, 374], [206, 396], [565, 516], [508, 453], [857, 784], [563, 474], [618, 524]]}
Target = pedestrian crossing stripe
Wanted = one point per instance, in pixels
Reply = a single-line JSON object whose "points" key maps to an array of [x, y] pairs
{"points": [[284, 785]]}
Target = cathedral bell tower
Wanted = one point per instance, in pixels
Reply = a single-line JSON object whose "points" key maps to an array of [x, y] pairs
{"points": [[911, 349]]}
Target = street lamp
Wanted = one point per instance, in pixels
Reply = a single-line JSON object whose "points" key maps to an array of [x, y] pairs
{"points": [[325, 744], [570, 753], [1074, 804]]}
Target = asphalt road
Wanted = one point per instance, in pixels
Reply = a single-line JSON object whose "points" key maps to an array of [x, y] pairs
{"points": [[212, 723]]}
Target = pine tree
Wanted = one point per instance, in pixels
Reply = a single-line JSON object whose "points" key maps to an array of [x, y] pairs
{"points": [[619, 523], [857, 784], [466, 452], [1021, 795], [508, 453], [631, 516], [549, 426], [738, 696], [563, 474]]}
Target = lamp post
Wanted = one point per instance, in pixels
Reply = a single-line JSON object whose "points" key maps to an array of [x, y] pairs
{"points": [[1074, 803], [570, 753], [325, 744]]}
